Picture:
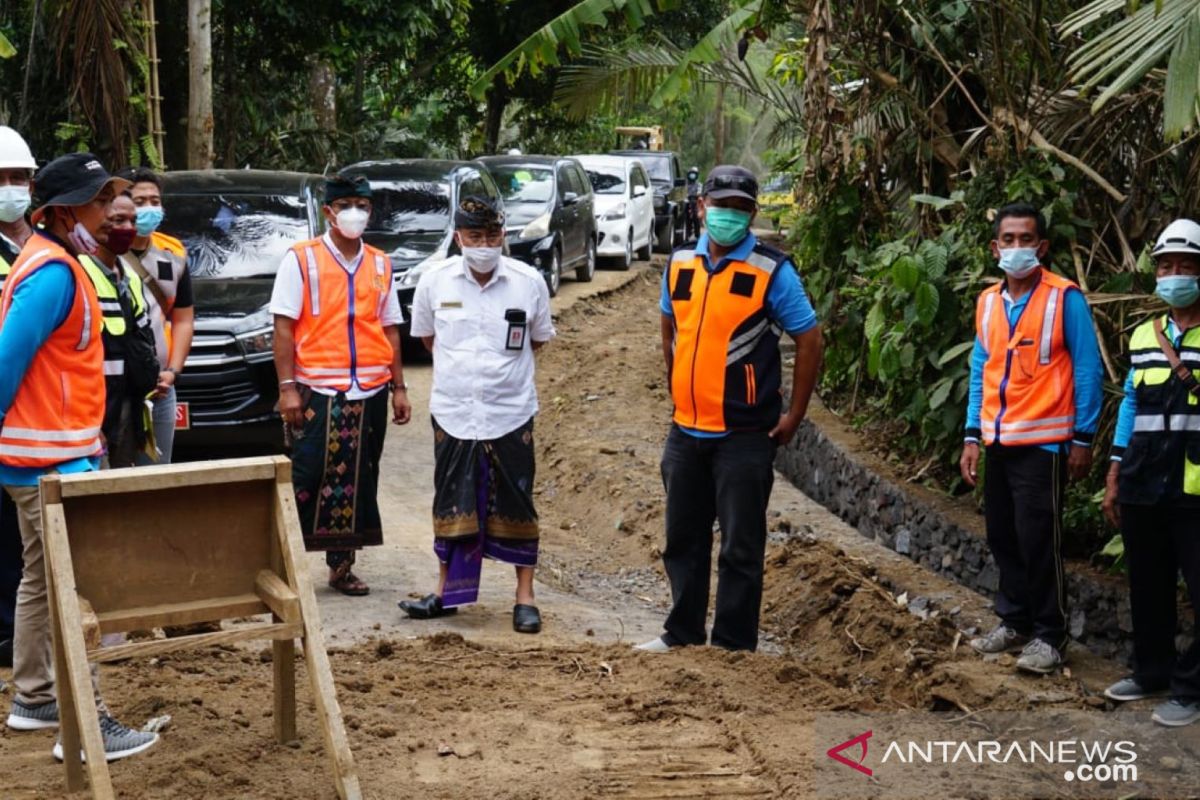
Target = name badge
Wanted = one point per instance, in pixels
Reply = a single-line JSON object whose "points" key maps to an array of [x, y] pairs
{"points": [[516, 329], [450, 304]]}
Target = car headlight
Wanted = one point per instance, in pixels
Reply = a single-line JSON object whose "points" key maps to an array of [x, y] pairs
{"points": [[410, 276], [259, 344], [537, 228], [616, 212]]}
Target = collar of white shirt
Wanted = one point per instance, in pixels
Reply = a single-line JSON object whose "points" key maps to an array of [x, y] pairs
{"points": [[349, 266], [500, 273]]}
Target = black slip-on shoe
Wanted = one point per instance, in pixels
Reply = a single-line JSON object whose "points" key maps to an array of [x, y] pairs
{"points": [[526, 619], [428, 607]]}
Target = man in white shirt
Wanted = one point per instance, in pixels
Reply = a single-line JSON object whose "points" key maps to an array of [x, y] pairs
{"points": [[337, 350], [482, 315]]}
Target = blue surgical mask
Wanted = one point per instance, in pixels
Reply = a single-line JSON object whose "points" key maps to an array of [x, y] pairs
{"points": [[727, 226], [1019, 262], [1178, 291], [148, 219]]}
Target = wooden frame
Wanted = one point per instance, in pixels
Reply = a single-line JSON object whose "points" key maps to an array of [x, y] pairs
{"points": [[175, 545]]}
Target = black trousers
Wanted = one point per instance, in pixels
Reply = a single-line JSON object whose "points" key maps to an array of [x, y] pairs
{"points": [[1023, 492], [727, 479], [1160, 541], [11, 559]]}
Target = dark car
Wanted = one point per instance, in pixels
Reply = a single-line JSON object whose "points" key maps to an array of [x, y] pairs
{"points": [[670, 194], [411, 219], [236, 225], [550, 214]]}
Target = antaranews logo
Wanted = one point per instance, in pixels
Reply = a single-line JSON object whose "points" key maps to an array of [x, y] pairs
{"points": [[860, 741], [1086, 760]]}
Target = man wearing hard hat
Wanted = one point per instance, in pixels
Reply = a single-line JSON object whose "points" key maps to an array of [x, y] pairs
{"points": [[1153, 489], [16, 173]]}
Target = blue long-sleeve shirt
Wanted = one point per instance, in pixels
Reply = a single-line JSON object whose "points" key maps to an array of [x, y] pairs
{"points": [[1128, 410], [1081, 343], [40, 303]]}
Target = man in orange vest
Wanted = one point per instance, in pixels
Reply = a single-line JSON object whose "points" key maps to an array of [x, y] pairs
{"points": [[1034, 403], [726, 299], [337, 351], [52, 408]]}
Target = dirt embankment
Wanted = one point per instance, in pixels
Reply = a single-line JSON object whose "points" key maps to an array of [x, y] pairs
{"points": [[559, 716]]}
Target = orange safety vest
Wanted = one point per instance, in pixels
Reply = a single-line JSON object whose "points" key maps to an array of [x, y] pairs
{"points": [[725, 372], [59, 407], [339, 336], [1028, 379]]}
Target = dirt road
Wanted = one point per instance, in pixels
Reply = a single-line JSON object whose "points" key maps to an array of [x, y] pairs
{"points": [[463, 707]]}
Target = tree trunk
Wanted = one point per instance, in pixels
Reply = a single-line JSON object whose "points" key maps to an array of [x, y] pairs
{"points": [[497, 99], [719, 147], [322, 94], [229, 85], [200, 106]]}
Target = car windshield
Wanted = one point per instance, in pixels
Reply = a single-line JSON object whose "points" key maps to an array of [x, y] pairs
{"points": [[606, 181], [520, 183], [778, 183], [659, 168], [236, 235], [409, 207]]}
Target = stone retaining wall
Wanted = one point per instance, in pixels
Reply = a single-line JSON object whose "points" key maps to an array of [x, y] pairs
{"points": [[901, 520]]}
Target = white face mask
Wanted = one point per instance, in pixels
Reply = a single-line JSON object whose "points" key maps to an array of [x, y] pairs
{"points": [[482, 259], [351, 222], [14, 202], [82, 240]]}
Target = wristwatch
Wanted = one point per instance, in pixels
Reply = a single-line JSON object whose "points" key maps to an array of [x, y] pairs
{"points": [[401, 386]]}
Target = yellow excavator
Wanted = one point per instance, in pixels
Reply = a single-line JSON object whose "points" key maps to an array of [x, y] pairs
{"points": [[637, 138]]}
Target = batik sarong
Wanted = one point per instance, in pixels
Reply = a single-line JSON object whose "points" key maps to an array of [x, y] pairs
{"points": [[335, 470], [482, 507]]}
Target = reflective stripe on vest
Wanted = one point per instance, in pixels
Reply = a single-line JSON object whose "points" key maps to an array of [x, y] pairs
{"points": [[5, 268], [725, 372], [1157, 463], [339, 336], [1028, 378], [58, 408]]}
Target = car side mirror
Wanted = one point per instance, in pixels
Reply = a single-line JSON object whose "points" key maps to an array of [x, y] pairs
{"points": [[639, 191], [570, 199], [681, 181]]}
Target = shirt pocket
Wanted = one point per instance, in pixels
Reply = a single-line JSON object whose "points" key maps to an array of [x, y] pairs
{"points": [[454, 327]]}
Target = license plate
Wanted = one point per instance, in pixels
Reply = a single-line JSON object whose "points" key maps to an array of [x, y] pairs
{"points": [[183, 417]]}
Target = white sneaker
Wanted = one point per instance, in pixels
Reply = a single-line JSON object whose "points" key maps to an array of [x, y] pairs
{"points": [[654, 646], [119, 741]]}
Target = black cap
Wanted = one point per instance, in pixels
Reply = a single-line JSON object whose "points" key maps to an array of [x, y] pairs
{"points": [[339, 186], [727, 180], [476, 211], [72, 180]]}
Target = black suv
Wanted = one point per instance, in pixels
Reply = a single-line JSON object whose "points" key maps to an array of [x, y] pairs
{"points": [[411, 217], [670, 194], [550, 214], [236, 225]]}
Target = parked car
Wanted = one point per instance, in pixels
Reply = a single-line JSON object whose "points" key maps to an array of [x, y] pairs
{"points": [[549, 210], [624, 207], [670, 194], [236, 225], [412, 220]]}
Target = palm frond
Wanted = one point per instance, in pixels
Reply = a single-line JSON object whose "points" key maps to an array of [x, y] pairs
{"points": [[540, 49], [1124, 53], [92, 35], [608, 77], [706, 51]]}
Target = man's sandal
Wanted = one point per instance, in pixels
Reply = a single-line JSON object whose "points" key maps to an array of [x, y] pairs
{"points": [[348, 583]]}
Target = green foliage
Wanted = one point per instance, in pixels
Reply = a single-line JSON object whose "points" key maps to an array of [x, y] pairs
{"points": [[6, 48]]}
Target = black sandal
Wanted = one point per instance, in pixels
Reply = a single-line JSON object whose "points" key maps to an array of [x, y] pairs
{"points": [[428, 607]]}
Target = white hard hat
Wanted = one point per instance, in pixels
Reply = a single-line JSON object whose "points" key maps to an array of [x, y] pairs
{"points": [[514, 151], [1181, 236], [14, 153]]}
